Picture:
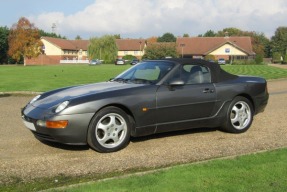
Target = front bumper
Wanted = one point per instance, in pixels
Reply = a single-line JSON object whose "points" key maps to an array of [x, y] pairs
{"points": [[75, 133]]}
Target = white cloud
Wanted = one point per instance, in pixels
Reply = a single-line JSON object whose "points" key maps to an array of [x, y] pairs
{"points": [[139, 18]]}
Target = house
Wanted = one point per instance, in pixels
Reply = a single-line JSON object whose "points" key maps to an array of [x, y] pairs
{"points": [[229, 48], [56, 50], [134, 47]]}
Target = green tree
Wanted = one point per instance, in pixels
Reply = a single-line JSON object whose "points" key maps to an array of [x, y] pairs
{"points": [[231, 31], [117, 36], [209, 33], [4, 33], [24, 40], [284, 59], [78, 37], [42, 33], [104, 48], [167, 37], [186, 35], [160, 51], [276, 57], [279, 41]]}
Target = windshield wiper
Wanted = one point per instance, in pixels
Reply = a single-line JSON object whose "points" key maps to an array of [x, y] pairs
{"points": [[120, 80], [141, 81]]}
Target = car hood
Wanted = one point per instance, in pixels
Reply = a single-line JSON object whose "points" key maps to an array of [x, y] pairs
{"points": [[52, 98]]}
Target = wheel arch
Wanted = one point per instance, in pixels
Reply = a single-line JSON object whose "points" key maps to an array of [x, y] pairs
{"points": [[122, 107], [247, 96]]}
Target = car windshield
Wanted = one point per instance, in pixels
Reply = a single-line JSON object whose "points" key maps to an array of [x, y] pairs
{"points": [[145, 73]]}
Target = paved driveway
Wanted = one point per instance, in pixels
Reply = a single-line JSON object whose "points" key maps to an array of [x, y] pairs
{"points": [[24, 157]]}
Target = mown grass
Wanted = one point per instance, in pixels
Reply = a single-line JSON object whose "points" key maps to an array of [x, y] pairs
{"points": [[268, 72], [44, 78], [257, 172]]}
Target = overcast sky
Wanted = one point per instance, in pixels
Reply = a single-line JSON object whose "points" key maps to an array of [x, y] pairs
{"points": [[146, 18]]}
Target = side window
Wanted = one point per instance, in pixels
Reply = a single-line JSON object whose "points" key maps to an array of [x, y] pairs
{"points": [[195, 74], [192, 74]]}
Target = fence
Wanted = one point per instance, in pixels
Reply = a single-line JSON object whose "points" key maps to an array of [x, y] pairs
{"points": [[74, 61]]}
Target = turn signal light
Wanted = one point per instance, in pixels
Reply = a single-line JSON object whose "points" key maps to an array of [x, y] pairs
{"points": [[56, 124]]}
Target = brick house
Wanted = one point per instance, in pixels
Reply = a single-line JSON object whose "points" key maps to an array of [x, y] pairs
{"points": [[134, 47], [229, 48], [56, 49]]}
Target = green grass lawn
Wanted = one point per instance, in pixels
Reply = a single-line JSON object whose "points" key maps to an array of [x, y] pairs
{"points": [[257, 172], [44, 78]]}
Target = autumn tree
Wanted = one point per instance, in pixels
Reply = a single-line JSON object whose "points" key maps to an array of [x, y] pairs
{"points": [[151, 40], [24, 40], [103, 48]]}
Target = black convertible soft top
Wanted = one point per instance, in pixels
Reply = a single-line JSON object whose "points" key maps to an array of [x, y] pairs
{"points": [[217, 73]]}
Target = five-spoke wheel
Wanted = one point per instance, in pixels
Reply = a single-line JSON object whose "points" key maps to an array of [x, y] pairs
{"points": [[109, 130], [239, 115]]}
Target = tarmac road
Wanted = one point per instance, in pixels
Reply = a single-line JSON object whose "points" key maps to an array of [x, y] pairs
{"points": [[23, 157]]}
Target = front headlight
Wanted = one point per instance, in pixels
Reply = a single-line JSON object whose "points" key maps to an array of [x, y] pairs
{"points": [[35, 99], [62, 106]]}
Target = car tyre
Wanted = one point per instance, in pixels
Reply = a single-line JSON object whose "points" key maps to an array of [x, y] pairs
{"points": [[239, 115], [109, 130]]}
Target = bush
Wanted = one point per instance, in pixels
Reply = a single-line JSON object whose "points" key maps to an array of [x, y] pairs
{"points": [[259, 59], [209, 57], [129, 57], [276, 57]]}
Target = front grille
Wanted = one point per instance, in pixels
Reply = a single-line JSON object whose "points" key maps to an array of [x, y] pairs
{"points": [[28, 119]]}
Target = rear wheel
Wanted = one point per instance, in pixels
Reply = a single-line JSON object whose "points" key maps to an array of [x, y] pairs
{"points": [[239, 115], [109, 130]]}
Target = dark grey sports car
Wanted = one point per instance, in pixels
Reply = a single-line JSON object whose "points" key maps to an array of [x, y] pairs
{"points": [[151, 97]]}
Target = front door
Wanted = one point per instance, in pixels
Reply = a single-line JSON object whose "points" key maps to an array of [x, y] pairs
{"points": [[186, 103]]}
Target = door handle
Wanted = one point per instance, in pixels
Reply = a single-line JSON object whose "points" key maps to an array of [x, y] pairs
{"points": [[207, 90]]}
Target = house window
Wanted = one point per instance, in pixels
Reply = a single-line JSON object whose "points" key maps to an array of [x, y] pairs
{"points": [[136, 52], [126, 52]]}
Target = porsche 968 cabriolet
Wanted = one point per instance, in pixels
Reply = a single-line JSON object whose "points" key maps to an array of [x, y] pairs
{"points": [[151, 97]]}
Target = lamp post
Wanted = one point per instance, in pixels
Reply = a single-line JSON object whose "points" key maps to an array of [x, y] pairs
{"points": [[182, 45], [140, 48]]}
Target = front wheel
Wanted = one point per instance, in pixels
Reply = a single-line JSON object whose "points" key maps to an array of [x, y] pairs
{"points": [[109, 130], [239, 115]]}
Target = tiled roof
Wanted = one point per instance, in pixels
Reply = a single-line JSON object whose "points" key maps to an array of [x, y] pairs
{"points": [[68, 44], [131, 44], [205, 45]]}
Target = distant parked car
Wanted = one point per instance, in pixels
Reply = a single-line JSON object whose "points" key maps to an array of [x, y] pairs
{"points": [[95, 62], [120, 62], [134, 61], [221, 61]]}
